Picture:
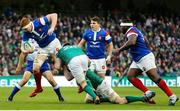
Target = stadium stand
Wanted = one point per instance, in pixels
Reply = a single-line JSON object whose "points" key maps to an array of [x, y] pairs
{"points": [[163, 33]]}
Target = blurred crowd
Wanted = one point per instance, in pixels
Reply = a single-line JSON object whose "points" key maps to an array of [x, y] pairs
{"points": [[163, 33]]}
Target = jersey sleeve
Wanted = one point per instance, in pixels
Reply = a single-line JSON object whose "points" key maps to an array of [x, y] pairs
{"points": [[108, 38], [25, 37], [43, 20], [131, 32], [40, 21]]}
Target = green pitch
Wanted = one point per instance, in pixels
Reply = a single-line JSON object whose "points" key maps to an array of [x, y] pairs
{"points": [[47, 100]]}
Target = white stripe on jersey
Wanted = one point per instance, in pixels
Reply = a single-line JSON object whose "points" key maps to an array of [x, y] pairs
{"points": [[42, 21], [107, 37], [94, 38]]}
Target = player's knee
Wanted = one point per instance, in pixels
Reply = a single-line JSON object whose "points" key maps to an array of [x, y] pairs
{"points": [[88, 99], [129, 77], [37, 64], [114, 98], [158, 80], [82, 83], [154, 77]]}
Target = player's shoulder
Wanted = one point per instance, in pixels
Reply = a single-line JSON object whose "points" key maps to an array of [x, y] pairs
{"points": [[103, 31], [132, 30], [26, 34], [88, 31], [42, 20]]}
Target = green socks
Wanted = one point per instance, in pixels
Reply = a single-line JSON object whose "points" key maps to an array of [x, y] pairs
{"points": [[94, 78], [134, 98], [90, 91]]}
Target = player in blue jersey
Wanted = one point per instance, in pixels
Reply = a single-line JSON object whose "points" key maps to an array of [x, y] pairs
{"points": [[143, 61], [45, 70], [97, 40], [41, 30]]}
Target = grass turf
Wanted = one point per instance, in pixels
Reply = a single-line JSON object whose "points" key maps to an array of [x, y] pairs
{"points": [[47, 100]]}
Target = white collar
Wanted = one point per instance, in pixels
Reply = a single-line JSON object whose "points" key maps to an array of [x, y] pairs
{"points": [[97, 30]]}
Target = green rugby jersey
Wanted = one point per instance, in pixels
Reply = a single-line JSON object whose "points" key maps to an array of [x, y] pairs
{"points": [[68, 52]]}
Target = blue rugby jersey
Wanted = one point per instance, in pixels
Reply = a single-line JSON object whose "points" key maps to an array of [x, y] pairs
{"points": [[96, 43], [140, 49], [39, 32]]}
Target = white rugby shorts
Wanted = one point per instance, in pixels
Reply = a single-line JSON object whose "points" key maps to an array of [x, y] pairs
{"points": [[145, 63], [78, 66], [98, 65], [52, 48]]}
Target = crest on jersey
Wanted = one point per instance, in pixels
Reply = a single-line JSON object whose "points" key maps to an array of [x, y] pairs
{"points": [[99, 38], [40, 30], [57, 49]]}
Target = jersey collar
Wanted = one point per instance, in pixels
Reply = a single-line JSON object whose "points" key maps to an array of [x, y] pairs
{"points": [[97, 30]]}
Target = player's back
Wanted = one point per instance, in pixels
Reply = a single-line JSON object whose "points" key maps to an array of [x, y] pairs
{"points": [[140, 49], [66, 53]]}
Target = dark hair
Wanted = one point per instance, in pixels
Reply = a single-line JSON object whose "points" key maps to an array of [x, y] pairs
{"points": [[65, 44], [97, 19]]}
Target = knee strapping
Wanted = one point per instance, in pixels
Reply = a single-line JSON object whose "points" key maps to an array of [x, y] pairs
{"points": [[37, 64]]}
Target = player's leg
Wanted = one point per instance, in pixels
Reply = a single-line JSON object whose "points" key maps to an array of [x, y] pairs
{"points": [[134, 71], [98, 66], [38, 88], [78, 65], [38, 61], [151, 71], [37, 76], [49, 76], [152, 74], [17, 87], [132, 77], [105, 90]]}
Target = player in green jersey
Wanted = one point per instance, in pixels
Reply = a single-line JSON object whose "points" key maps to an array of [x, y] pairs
{"points": [[77, 62]]}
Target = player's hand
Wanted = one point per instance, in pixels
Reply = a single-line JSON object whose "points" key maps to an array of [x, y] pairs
{"points": [[50, 31], [108, 59], [117, 50], [55, 71]]}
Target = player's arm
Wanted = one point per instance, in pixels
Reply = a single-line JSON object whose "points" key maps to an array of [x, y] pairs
{"points": [[53, 19], [109, 50], [82, 43], [131, 41], [57, 64], [147, 43], [20, 62]]}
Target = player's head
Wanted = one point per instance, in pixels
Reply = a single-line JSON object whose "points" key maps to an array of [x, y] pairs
{"points": [[26, 24], [95, 23], [125, 26], [66, 44]]}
